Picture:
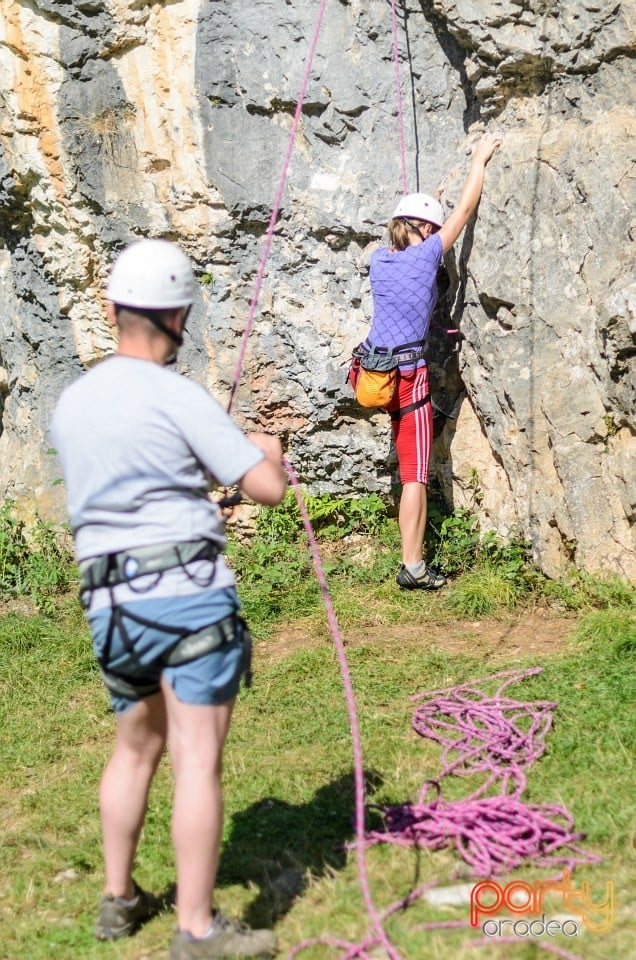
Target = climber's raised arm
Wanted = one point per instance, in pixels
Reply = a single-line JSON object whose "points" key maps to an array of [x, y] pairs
{"points": [[467, 204]]}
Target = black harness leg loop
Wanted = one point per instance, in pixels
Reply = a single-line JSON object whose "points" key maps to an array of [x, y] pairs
{"points": [[110, 570], [188, 646], [246, 638], [398, 414]]}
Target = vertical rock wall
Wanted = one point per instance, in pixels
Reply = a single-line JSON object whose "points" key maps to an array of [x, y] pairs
{"points": [[120, 120]]}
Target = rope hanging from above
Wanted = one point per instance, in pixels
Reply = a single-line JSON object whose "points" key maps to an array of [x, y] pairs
{"points": [[400, 117], [398, 87], [373, 915], [276, 207]]}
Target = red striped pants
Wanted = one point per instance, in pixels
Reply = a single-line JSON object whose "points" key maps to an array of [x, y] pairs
{"points": [[413, 432]]}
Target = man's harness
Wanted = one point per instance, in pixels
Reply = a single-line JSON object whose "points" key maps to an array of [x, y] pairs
{"points": [[112, 569]]}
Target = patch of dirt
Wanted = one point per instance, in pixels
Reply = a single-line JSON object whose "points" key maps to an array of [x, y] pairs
{"points": [[536, 634], [19, 605]]}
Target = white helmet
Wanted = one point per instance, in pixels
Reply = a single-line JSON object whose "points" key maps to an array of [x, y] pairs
{"points": [[152, 274], [419, 206]]}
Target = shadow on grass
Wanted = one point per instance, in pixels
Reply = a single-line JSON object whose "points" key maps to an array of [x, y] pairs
{"points": [[278, 845]]}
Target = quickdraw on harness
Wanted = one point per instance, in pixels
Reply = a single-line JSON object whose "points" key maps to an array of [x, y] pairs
{"points": [[128, 566]]}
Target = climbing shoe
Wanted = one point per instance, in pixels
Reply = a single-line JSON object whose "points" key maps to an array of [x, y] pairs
{"points": [[120, 918], [428, 579], [227, 939]]}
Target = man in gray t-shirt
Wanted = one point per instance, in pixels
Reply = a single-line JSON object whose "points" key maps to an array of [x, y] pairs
{"points": [[140, 448]]}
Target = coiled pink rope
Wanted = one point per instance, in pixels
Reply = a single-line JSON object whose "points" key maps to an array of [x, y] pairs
{"points": [[499, 738], [494, 735], [493, 835]]}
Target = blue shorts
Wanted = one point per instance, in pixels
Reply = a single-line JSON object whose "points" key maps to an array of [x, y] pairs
{"points": [[212, 679]]}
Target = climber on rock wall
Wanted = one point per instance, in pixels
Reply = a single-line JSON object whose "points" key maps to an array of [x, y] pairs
{"points": [[403, 280]]}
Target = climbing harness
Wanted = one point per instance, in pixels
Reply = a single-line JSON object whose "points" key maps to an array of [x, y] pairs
{"points": [[374, 372], [187, 646], [127, 566], [141, 569], [386, 358], [410, 407]]}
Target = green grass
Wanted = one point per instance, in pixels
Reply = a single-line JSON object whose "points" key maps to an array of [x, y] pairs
{"points": [[289, 766], [289, 790]]}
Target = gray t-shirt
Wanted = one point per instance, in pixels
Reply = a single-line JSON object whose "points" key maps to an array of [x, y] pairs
{"points": [[140, 447]]}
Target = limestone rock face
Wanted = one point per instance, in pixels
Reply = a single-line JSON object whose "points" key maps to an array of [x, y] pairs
{"points": [[122, 120]]}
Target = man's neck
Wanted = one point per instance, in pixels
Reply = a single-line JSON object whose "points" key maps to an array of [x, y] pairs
{"points": [[141, 348]]}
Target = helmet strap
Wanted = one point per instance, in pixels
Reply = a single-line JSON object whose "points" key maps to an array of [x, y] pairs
{"points": [[418, 230], [157, 321], [177, 338]]}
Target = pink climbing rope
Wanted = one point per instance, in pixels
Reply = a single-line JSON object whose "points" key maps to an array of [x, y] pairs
{"points": [[486, 733], [276, 208], [357, 751], [493, 835], [400, 114], [398, 86], [498, 737], [358, 766]]}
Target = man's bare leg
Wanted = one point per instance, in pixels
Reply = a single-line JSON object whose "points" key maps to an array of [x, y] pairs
{"points": [[196, 739]]}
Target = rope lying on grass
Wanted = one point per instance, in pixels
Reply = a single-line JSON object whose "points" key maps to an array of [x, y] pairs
{"points": [[492, 835], [358, 766], [499, 737], [481, 734]]}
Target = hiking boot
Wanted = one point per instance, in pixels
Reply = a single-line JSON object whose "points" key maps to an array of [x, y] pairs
{"points": [[120, 918], [228, 939], [429, 579]]}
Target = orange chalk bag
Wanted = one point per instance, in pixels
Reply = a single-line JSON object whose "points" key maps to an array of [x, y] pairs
{"points": [[373, 377], [373, 373]]}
